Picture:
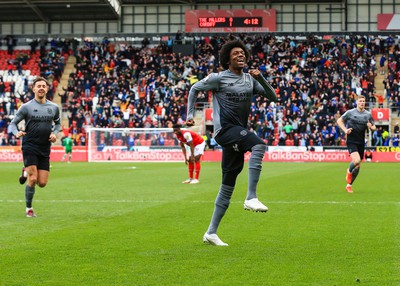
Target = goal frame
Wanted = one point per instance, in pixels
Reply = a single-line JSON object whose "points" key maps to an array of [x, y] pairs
{"points": [[143, 150]]}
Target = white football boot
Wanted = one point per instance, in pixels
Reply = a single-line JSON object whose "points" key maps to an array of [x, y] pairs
{"points": [[255, 205], [213, 239]]}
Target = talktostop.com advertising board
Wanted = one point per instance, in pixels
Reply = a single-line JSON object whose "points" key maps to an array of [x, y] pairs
{"points": [[147, 154]]}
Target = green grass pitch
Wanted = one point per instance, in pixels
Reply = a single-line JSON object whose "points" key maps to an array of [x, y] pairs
{"points": [[136, 224]]}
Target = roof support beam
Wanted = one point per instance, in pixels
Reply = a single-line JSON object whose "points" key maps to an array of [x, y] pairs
{"points": [[37, 11], [115, 6]]}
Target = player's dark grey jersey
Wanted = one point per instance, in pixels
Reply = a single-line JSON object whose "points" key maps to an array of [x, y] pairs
{"points": [[39, 118], [232, 95], [358, 121]]}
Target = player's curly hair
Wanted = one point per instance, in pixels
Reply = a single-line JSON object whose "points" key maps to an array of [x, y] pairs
{"points": [[224, 53]]}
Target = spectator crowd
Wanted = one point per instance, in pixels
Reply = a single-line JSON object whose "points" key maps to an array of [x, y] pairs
{"points": [[146, 86]]}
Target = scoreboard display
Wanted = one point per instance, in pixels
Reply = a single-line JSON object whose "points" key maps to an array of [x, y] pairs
{"points": [[238, 20], [211, 22]]}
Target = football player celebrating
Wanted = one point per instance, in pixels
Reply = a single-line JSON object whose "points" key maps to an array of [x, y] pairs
{"points": [[233, 90]]}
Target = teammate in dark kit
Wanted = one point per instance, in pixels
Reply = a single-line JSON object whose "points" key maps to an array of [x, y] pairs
{"points": [[39, 115], [354, 123]]}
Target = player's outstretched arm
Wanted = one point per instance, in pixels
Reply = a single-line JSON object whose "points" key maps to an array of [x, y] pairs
{"points": [[210, 82]]}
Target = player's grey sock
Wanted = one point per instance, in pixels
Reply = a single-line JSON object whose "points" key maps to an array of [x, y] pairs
{"points": [[29, 192], [221, 205], [351, 167], [255, 166], [354, 174]]}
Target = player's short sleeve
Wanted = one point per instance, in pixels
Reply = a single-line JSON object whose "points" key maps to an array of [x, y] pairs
{"points": [[57, 115], [188, 136], [371, 119], [345, 116]]}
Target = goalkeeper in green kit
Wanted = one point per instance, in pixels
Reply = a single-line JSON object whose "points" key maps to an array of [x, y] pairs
{"points": [[68, 143]]}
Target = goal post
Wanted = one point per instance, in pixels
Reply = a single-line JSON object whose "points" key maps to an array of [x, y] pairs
{"points": [[134, 145]]}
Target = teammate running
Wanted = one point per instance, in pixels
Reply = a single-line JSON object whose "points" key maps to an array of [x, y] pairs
{"points": [[354, 123], [39, 115]]}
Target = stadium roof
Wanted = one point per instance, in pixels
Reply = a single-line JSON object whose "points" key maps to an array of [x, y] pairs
{"points": [[225, 2], [58, 10], [98, 10]]}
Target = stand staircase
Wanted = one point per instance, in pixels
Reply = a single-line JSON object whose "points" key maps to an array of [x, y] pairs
{"points": [[68, 69], [380, 88]]}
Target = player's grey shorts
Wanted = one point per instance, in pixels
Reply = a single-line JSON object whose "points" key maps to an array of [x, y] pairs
{"points": [[41, 162], [238, 138], [236, 141], [352, 147]]}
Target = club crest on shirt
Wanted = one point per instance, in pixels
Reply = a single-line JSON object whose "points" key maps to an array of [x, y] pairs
{"points": [[247, 82], [49, 111]]}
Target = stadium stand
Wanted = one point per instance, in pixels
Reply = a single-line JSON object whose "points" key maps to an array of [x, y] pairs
{"points": [[113, 84]]}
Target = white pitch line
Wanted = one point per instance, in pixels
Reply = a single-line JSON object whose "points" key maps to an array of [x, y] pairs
{"points": [[203, 202]]}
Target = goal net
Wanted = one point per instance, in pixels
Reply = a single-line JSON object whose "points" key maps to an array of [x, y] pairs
{"points": [[134, 145]]}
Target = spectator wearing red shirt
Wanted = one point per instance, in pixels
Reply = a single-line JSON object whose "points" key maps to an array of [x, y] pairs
{"points": [[10, 68], [380, 99]]}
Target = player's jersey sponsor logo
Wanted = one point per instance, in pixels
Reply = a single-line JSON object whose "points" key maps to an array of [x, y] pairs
{"points": [[238, 97], [41, 118]]}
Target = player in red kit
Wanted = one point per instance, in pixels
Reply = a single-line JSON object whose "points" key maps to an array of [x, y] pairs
{"points": [[192, 145]]}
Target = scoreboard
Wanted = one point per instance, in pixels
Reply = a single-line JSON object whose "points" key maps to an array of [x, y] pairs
{"points": [[211, 22], [238, 20]]}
